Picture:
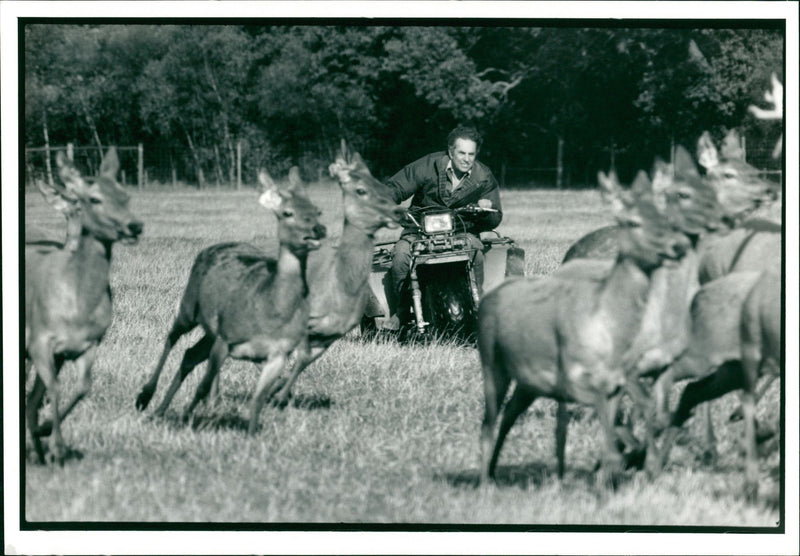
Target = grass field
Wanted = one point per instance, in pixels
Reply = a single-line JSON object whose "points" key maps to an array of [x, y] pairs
{"points": [[378, 433]]}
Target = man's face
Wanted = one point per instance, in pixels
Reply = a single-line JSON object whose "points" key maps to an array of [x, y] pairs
{"points": [[463, 154]]}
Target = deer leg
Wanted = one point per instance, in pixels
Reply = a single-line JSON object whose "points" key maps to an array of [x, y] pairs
{"points": [[147, 391], [217, 356], [751, 449], [636, 453], [47, 367], [727, 378], [495, 386], [737, 415], [301, 361], [519, 402], [32, 404], [191, 358], [562, 422], [612, 458], [84, 365], [269, 374], [710, 455]]}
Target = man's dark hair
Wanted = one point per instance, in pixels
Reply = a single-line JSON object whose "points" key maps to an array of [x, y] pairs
{"points": [[464, 132]]}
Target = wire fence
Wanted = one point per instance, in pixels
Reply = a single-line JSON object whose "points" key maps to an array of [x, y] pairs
{"points": [[176, 166]]}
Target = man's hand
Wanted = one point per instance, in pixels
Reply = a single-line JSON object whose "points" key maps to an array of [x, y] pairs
{"points": [[484, 203]]}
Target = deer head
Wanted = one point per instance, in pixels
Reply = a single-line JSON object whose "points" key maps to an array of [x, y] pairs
{"points": [[368, 203], [98, 205], [298, 225], [737, 184]]}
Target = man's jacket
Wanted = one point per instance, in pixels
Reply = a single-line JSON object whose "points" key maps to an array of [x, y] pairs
{"points": [[427, 181]]}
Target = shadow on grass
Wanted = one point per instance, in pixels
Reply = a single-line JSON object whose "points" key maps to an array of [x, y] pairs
{"points": [[309, 402], [217, 418], [71, 454], [302, 401], [520, 476]]}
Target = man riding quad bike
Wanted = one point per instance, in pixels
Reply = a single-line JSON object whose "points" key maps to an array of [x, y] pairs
{"points": [[430, 281]]}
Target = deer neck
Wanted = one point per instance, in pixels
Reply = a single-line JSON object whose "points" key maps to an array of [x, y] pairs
{"points": [[353, 257], [74, 233], [290, 278], [624, 292], [89, 265], [664, 330]]}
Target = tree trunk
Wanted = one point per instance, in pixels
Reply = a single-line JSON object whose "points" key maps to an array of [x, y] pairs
{"points": [[226, 134], [217, 166], [90, 121], [196, 157], [47, 148]]}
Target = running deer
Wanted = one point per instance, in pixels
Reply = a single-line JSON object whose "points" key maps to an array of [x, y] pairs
{"points": [[565, 336], [735, 341], [67, 294], [338, 272], [753, 246], [736, 333], [250, 306], [664, 327]]}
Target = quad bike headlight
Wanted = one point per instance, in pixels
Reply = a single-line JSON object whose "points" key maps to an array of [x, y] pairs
{"points": [[438, 223]]}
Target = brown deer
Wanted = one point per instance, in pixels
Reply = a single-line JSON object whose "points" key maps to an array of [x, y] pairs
{"points": [[565, 336], [67, 294], [736, 340], [736, 328], [751, 245], [250, 306], [664, 327], [338, 273]]}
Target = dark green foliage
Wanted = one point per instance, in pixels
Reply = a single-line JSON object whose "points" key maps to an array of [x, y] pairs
{"points": [[288, 93]]}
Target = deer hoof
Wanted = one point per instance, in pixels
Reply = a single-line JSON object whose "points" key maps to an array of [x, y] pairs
{"points": [[45, 429], [709, 457], [751, 492]]}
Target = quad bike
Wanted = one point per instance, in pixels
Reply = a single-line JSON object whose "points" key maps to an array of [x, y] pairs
{"points": [[444, 295]]}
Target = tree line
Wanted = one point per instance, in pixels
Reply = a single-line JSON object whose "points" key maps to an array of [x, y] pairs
{"points": [[569, 97]]}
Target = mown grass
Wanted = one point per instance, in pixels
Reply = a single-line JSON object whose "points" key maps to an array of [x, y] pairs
{"points": [[378, 433]]}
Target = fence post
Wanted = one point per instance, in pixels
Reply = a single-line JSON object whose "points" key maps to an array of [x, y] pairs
{"points": [[238, 165], [70, 152], [560, 163], [47, 162], [140, 178], [744, 147]]}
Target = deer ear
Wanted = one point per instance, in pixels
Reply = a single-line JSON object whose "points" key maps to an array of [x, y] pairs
{"points": [[732, 146], [270, 198], [110, 164], [59, 198], [706, 151], [611, 190], [295, 181], [344, 152], [357, 164], [68, 174], [641, 184], [684, 165]]}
